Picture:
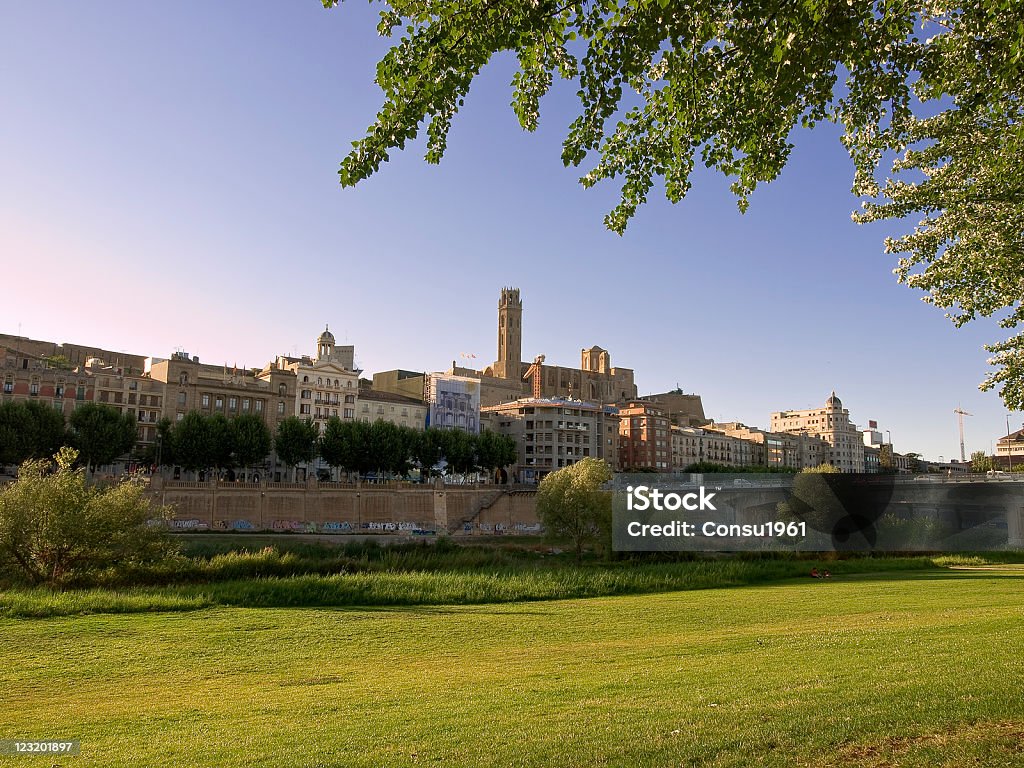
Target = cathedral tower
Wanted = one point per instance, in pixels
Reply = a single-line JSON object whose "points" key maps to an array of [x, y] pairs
{"points": [[510, 334]]}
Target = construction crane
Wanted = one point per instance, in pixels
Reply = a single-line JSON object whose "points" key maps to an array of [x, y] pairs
{"points": [[960, 413], [534, 373]]}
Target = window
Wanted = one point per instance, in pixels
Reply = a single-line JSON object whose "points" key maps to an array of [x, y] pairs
{"points": [[8, 387], [304, 409], [259, 406], [206, 401], [179, 416], [282, 390], [219, 403], [350, 413], [307, 394], [319, 381], [233, 403], [245, 404], [350, 398], [280, 409], [33, 388]]}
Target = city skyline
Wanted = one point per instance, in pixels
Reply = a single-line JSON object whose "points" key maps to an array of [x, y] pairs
{"points": [[170, 182]]}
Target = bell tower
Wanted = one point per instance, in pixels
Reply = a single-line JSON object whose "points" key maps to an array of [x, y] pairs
{"points": [[510, 335]]}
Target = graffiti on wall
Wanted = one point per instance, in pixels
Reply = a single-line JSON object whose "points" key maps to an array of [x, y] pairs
{"points": [[336, 527], [296, 526], [193, 524], [391, 526], [233, 525]]}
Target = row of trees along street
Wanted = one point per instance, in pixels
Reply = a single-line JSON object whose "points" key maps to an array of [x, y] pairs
{"points": [[200, 442], [101, 435], [34, 430]]}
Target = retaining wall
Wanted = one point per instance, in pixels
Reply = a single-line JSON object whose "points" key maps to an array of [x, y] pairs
{"points": [[314, 507]]}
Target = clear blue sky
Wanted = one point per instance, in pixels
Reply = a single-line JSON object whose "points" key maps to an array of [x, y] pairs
{"points": [[168, 178]]}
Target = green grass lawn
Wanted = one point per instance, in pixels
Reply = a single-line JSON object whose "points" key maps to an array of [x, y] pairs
{"points": [[911, 669]]}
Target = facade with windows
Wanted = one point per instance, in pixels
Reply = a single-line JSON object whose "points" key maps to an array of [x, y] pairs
{"points": [[1010, 451], [136, 394], [387, 406], [645, 441], [193, 386], [552, 433], [693, 445], [326, 386], [25, 376], [832, 424]]}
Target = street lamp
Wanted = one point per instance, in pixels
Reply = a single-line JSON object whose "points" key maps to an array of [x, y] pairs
{"points": [[1009, 461]]}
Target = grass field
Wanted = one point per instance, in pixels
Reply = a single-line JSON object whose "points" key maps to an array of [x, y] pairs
{"points": [[911, 669]]}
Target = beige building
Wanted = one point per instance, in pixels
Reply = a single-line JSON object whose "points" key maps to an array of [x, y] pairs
{"points": [[326, 386], [194, 386], [76, 355], [692, 445], [552, 433], [1010, 451], [136, 394], [682, 409], [409, 383], [387, 406], [832, 424], [757, 447]]}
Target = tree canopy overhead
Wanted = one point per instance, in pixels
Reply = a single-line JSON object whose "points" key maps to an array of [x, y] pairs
{"points": [[663, 85]]}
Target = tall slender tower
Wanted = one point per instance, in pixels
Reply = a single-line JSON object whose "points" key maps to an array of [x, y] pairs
{"points": [[510, 335]]}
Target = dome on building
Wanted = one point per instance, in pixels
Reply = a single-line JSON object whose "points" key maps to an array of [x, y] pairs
{"points": [[834, 402], [326, 337]]}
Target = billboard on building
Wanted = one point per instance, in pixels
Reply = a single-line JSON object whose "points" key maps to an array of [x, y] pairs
{"points": [[453, 403]]}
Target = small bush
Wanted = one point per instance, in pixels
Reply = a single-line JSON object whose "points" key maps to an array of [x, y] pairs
{"points": [[55, 527]]}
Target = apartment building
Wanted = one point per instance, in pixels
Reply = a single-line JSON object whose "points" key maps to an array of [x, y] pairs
{"points": [[387, 406], [832, 424], [645, 442], [552, 433]]}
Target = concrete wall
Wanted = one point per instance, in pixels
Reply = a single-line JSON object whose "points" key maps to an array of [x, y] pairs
{"points": [[342, 508]]}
